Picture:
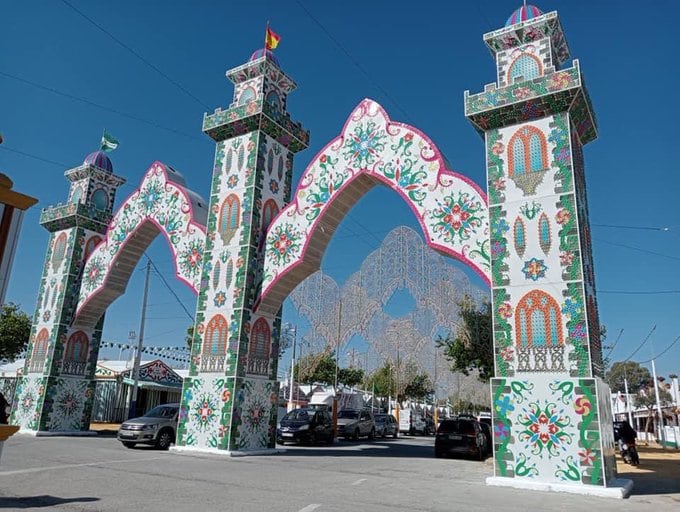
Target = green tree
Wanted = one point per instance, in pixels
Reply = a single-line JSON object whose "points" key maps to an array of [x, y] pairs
{"points": [[382, 380], [350, 376], [15, 330], [471, 346], [636, 375], [316, 368], [420, 387]]}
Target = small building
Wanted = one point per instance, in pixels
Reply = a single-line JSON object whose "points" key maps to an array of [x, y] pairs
{"points": [[12, 207], [158, 384]]}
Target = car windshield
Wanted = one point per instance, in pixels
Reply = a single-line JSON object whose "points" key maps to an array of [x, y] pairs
{"points": [[352, 415], [457, 427], [162, 411], [297, 415]]}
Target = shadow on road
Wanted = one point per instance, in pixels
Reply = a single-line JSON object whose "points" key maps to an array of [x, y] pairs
{"points": [[40, 501], [658, 472]]}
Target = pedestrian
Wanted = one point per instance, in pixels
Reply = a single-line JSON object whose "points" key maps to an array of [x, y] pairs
{"points": [[3, 409]]}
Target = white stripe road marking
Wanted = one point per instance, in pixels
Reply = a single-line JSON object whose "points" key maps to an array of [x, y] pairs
{"points": [[359, 482], [68, 466], [311, 507]]}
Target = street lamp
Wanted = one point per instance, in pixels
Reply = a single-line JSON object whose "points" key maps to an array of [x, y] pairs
{"points": [[292, 329]]}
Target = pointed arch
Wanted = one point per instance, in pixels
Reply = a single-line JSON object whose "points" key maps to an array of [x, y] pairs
{"points": [[269, 211], [91, 245], [538, 321], [39, 353], [214, 349], [527, 66], [230, 215], [75, 354], [371, 149], [260, 347], [247, 95], [59, 251], [527, 151], [520, 236], [544, 235]]}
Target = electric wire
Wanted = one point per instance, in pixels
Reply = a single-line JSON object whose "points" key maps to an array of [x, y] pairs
{"points": [[611, 349], [136, 54], [356, 63], [641, 344], [159, 274], [663, 352], [100, 106]]}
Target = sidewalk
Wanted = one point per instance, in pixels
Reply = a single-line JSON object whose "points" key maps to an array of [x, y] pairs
{"points": [[105, 429], [658, 472]]}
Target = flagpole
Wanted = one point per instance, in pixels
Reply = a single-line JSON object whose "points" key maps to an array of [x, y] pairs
{"points": [[266, 31]]}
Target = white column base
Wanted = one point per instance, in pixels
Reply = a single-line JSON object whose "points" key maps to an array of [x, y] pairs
{"points": [[191, 450], [69, 433], [619, 488]]}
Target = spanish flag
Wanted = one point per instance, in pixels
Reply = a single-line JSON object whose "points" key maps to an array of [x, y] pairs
{"points": [[271, 39]]}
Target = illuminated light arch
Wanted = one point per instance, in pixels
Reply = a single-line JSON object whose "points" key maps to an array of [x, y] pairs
{"points": [[371, 149], [161, 205]]}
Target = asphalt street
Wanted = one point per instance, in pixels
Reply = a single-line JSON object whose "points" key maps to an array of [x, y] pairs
{"points": [[99, 474]]}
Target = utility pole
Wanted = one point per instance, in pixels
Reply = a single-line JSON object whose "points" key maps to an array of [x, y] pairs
{"points": [[658, 406], [629, 406], [140, 342], [337, 363], [291, 405]]}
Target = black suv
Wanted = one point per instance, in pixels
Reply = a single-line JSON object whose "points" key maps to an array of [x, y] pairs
{"points": [[305, 426], [463, 435]]}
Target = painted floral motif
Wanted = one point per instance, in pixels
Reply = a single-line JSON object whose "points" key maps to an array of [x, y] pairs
{"points": [[220, 299], [205, 411], [458, 217], [505, 310], [274, 186], [544, 428], [94, 274], [232, 181], [283, 243], [406, 177], [534, 269], [68, 405], [363, 145], [190, 259], [255, 415], [150, 196]]}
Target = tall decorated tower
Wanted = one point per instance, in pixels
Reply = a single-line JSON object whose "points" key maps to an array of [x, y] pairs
{"points": [[551, 410], [229, 400], [56, 389]]}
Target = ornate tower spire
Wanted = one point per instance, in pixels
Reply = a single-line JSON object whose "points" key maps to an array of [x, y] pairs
{"points": [[56, 389], [229, 399], [551, 409]]}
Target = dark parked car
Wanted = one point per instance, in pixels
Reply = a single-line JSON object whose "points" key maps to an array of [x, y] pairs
{"points": [[461, 435], [305, 426], [355, 424], [157, 427], [386, 425]]}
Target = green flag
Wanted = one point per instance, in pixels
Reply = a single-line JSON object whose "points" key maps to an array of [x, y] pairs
{"points": [[108, 143]]}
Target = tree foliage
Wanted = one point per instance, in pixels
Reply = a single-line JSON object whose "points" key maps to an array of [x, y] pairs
{"points": [[637, 376], [15, 331], [420, 387], [470, 347]]}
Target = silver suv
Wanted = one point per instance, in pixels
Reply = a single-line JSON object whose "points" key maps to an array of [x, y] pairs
{"points": [[355, 424], [157, 427]]}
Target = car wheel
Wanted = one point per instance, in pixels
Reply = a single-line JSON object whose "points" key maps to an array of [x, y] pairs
{"points": [[164, 439], [128, 444], [438, 454], [356, 435], [371, 435], [281, 442], [396, 434]]}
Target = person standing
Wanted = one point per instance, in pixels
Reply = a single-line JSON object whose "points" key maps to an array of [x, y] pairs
{"points": [[3, 409]]}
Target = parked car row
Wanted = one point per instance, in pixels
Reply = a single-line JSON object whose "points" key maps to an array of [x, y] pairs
{"points": [[315, 425]]}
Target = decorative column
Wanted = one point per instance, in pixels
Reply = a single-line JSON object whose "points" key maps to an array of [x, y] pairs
{"points": [[552, 415], [229, 400], [56, 389]]}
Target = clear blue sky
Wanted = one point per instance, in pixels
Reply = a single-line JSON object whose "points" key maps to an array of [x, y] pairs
{"points": [[417, 58]]}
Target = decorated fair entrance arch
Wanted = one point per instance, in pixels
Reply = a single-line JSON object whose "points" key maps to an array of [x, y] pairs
{"points": [[530, 241]]}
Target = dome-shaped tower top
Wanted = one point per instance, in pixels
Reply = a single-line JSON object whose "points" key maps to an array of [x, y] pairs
{"points": [[99, 159], [524, 13], [258, 54]]}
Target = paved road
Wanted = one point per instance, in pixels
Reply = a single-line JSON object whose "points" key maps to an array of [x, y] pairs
{"points": [[99, 474]]}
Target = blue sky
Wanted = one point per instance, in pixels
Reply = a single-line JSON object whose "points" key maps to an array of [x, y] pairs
{"points": [[415, 62]]}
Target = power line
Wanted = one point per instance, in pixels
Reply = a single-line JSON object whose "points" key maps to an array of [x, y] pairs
{"points": [[35, 157], [644, 228], [614, 344], [640, 250], [361, 69], [634, 292], [135, 53], [191, 317], [641, 344], [98, 105], [662, 353]]}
